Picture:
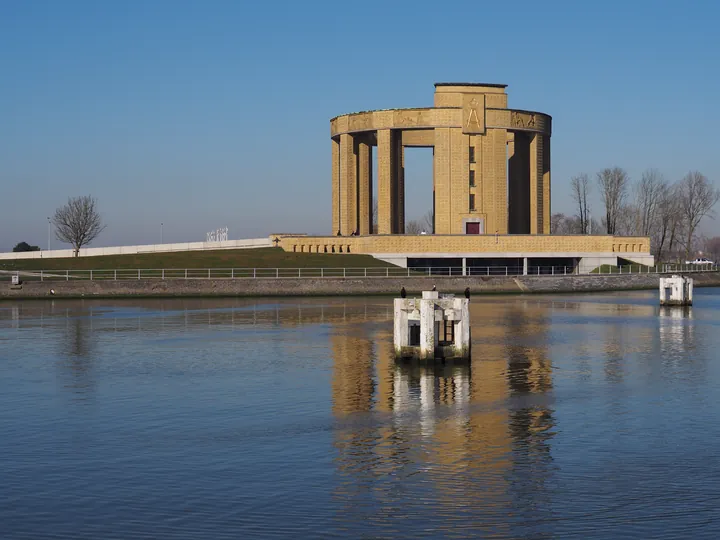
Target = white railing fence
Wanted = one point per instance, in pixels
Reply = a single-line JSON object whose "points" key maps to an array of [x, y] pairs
{"points": [[312, 273]]}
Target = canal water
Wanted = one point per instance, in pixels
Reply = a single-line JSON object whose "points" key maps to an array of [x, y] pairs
{"points": [[589, 416]]}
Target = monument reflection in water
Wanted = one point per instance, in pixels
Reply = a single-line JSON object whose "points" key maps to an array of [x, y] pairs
{"points": [[238, 418], [472, 435]]}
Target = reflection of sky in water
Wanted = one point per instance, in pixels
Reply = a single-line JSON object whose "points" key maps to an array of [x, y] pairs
{"points": [[578, 415]]}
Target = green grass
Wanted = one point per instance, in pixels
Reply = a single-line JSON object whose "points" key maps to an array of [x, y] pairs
{"points": [[626, 269], [235, 258]]}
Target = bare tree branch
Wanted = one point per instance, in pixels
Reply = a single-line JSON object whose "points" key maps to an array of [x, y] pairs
{"points": [[428, 221], [628, 220], [613, 185], [697, 198], [580, 186], [648, 195], [78, 222], [665, 218], [413, 227]]}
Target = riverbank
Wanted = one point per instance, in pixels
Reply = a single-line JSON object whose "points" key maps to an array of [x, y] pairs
{"points": [[338, 286]]}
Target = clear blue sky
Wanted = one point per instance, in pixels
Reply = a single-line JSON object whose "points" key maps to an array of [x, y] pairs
{"points": [[215, 113]]}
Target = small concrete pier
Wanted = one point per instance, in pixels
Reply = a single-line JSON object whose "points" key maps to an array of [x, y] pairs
{"points": [[676, 291], [432, 327]]}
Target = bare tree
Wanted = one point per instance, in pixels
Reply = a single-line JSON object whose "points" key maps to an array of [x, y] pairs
{"points": [[613, 185], [562, 224], [697, 198], [413, 227], [78, 222], [557, 223], [628, 220], [648, 195], [666, 218], [428, 222], [712, 247], [580, 186]]}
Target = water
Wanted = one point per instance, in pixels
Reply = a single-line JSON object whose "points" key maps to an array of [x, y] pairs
{"points": [[579, 416]]}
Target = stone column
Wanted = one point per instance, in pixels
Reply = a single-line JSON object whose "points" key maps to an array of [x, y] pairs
{"points": [[365, 187], [335, 186], [386, 181], [441, 181], [546, 186], [399, 183], [348, 185], [535, 173], [519, 180]]}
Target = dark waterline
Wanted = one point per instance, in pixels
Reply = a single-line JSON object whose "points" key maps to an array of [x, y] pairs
{"points": [[579, 416]]}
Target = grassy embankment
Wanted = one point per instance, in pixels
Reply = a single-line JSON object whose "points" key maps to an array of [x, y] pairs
{"points": [[624, 269], [642, 269], [227, 258]]}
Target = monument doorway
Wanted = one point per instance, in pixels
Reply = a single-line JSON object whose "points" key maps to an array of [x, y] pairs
{"points": [[474, 226]]}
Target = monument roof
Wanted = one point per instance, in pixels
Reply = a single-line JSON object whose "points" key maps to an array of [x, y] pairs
{"points": [[491, 85]]}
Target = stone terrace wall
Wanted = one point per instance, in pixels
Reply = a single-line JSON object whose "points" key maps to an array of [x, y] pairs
{"points": [[338, 287]]}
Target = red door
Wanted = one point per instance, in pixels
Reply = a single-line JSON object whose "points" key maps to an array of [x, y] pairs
{"points": [[472, 227]]}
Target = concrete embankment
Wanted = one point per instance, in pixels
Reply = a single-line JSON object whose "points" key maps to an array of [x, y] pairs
{"points": [[336, 287]]}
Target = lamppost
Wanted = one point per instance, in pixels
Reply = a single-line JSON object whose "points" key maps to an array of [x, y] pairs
{"points": [[161, 232], [49, 228]]}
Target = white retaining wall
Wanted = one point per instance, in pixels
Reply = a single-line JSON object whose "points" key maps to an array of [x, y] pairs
{"points": [[150, 248]]}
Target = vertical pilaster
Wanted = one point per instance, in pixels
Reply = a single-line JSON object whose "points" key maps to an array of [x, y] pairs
{"points": [[335, 186], [441, 171], [385, 181], [535, 168], [479, 179], [494, 172], [459, 179], [546, 210], [365, 187], [500, 165], [518, 192], [348, 185]]}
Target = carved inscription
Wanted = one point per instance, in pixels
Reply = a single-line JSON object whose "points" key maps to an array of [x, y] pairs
{"points": [[474, 114], [473, 122], [407, 119], [360, 122], [524, 120]]}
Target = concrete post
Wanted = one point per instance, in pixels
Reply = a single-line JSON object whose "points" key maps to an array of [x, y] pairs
{"points": [[461, 343], [464, 266], [401, 327], [525, 266], [427, 325]]}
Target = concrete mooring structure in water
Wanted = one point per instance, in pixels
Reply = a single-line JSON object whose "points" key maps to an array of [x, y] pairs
{"points": [[676, 291], [431, 327]]}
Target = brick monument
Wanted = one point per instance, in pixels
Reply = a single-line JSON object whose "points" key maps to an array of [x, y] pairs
{"points": [[491, 171]]}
